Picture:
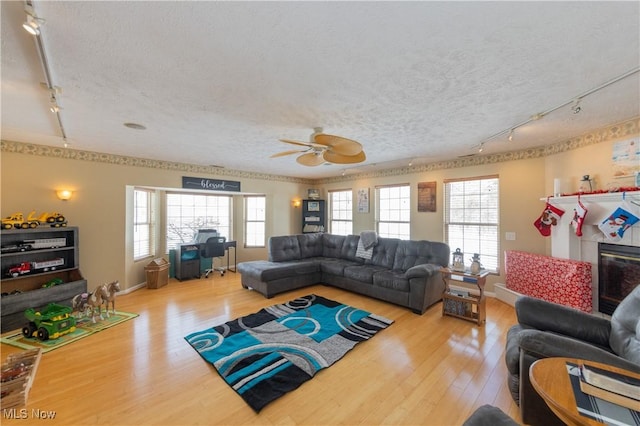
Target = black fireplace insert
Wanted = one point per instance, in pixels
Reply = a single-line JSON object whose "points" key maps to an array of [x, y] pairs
{"points": [[618, 274]]}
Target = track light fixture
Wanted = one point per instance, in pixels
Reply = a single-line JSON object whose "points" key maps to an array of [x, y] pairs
{"points": [[575, 102], [576, 106], [481, 148], [32, 24]]}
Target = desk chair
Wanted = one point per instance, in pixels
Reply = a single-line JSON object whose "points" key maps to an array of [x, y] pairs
{"points": [[214, 248]]}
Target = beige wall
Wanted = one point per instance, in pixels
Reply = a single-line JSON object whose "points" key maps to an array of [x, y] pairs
{"points": [[100, 200], [98, 207]]}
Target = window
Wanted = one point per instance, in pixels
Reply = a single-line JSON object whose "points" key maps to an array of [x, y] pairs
{"points": [[186, 213], [341, 210], [393, 211], [471, 218], [255, 217], [142, 224]]}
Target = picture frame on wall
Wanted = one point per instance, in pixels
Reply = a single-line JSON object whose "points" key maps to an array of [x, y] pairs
{"points": [[427, 196], [363, 200], [313, 206]]}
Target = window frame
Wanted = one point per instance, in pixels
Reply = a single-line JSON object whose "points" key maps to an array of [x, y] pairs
{"points": [[401, 212], [335, 210], [489, 207], [148, 223], [248, 221], [200, 222]]}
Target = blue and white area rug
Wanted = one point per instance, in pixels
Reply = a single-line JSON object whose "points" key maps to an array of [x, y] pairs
{"points": [[264, 355]]}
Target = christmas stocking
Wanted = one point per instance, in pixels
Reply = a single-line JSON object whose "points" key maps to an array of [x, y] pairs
{"points": [[549, 217], [614, 226], [579, 213]]}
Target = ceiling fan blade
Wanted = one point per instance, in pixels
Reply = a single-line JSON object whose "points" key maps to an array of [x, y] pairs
{"points": [[282, 154], [333, 157], [311, 159], [339, 144], [307, 144]]}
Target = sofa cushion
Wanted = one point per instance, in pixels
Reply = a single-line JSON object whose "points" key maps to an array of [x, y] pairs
{"points": [[289, 269], [332, 245], [411, 253], [310, 245], [335, 266], [384, 253], [394, 280], [363, 273], [625, 328], [284, 248], [349, 248]]}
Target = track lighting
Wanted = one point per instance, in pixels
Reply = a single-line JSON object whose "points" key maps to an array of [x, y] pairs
{"points": [[511, 135], [54, 108], [32, 24], [481, 147], [576, 106]]}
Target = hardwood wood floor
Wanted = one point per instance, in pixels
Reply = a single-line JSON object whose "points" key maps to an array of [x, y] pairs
{"points": [[422, 370]]}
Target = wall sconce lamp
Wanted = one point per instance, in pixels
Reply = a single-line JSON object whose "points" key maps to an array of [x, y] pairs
{"points": [[64, 194], [297, 203]]}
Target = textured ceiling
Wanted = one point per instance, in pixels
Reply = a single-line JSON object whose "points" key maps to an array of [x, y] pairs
{"points": [[220, 82]]}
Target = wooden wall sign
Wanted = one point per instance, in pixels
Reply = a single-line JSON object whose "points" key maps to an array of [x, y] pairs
{"points": [[426, 196], [210, 184]]}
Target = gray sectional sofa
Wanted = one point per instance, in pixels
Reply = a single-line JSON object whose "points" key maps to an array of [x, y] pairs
{"points": [[402, 272]]}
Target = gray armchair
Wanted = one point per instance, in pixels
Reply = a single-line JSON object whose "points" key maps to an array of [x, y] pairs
{"points": [[547, 330]]}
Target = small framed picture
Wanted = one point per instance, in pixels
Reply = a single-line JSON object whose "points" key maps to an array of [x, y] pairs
{"points": [[313, 206]]}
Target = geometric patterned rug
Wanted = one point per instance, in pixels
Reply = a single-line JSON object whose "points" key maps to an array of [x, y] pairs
{"points": [[264, 355], [84, 328]]}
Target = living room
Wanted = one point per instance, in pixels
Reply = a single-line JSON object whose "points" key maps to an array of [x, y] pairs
{"points": [[103, 181]]}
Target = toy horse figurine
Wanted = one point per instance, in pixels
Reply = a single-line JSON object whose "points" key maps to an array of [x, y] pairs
{"points": [[112, 289], [96, 300], [80, 304]]}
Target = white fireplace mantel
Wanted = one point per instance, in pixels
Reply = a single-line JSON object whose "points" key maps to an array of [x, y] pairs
{"points": [[564, 242]]}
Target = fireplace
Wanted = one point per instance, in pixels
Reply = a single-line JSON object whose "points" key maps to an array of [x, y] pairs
{"points": [[618, 274]]}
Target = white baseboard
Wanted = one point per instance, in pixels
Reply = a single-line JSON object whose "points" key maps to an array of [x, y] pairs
{"points": [[473, 290], [505, 295]]}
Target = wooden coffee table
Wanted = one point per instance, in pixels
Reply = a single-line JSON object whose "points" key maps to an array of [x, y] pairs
{"points": [[550, 379]]}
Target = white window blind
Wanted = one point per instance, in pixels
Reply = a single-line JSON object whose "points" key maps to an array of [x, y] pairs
{"points": [[255, 220], [471, 218], [393, 212], [143, 225], [341, 210]]}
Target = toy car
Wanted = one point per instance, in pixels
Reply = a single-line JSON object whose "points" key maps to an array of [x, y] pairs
{"points": [[52, 322], [52, 283]]}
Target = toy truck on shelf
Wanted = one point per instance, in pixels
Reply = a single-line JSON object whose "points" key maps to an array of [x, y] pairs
{"points": [[45, 243], [50, 323], [27, 267], [18, 221]]}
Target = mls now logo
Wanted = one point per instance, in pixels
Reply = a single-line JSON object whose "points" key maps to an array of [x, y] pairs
{"points": [[23, 413]]}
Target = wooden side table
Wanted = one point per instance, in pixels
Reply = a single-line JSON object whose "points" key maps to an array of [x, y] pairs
{"points": [[472, 308], [550, 379]]}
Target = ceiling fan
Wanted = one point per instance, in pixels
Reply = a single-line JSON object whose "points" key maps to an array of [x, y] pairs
{"points": [[323, 148]]}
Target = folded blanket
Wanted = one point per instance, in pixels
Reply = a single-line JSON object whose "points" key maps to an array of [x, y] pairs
{"points": [[361, 252], [368, 239]]}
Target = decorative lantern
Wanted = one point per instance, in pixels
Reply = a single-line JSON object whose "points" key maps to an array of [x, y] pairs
{"points": [[458, 260], [476, 266]]}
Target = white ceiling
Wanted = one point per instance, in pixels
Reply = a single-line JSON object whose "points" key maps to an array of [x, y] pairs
{"points": [[220, 82]]}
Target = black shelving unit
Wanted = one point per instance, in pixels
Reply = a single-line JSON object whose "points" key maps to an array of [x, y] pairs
{"points": [[313, 216], [28, 249]]}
